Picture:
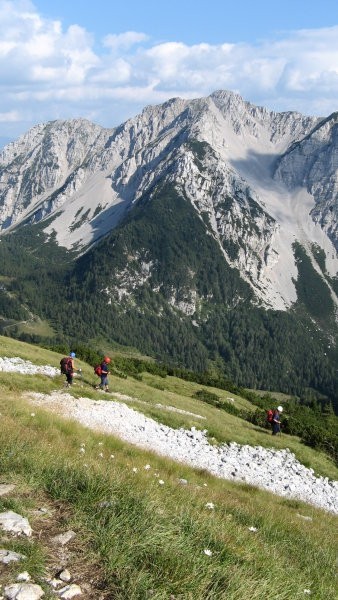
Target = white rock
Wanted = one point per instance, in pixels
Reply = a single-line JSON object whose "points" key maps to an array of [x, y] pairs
{"points": [[18, 365], [65, 576], [70, 591], [23, 591], [7, 556], [55, 583], [25, 576], [11, 521], [64, 538]]}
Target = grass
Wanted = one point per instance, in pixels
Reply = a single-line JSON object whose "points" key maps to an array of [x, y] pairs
{"points": [[279, 396], [137, 539], [144, 397], [36, 327]]}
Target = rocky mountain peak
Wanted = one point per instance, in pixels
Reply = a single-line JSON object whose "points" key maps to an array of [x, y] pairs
{"points": [[259, 180]]}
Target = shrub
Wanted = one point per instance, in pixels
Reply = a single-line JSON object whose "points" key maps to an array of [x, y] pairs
{"points": [[214, 400]]}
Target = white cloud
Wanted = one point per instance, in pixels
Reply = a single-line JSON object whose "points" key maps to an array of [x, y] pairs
{"points": [[47, 71], [117, 71], [9, 117], [124, 41]]}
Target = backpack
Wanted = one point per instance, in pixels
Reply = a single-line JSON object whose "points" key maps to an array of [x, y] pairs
{"points": [[98, 370], [269, 415], [66, 365]]}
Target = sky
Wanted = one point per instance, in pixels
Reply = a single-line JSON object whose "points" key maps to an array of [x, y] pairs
{"points": [[105, 60]]}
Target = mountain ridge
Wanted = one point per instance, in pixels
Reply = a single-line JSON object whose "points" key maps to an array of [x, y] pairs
{"points": [[86, 177], [197, 217]]}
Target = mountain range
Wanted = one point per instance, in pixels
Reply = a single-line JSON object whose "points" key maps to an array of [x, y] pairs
{"points": [[201, 231]]}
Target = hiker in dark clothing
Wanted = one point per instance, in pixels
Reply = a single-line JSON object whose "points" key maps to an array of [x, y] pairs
{"points": [[276, 420], [67, 368], [104, 385]]}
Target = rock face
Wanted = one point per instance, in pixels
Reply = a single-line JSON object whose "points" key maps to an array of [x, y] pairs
{"points": [[259, 180], [313, 163]]}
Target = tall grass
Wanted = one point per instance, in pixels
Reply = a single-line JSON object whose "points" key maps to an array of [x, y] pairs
{"points": [[149, 538]]}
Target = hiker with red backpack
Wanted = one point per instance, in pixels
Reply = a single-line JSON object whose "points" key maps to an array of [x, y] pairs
{"points": [[67, 368], [273, 417], [103, 371]]}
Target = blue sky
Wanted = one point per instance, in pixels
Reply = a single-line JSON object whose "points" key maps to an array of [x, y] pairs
{"points": [[105, 60], [194, 21]]}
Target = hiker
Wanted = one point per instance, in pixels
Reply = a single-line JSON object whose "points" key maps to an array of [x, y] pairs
{"points": [[276, 420], [67, 368], [104, 385]]}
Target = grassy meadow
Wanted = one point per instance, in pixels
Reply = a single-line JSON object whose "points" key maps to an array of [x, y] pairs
{"points": [[139, 538]]}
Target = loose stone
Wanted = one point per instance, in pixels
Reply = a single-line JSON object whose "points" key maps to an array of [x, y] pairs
{"points": [[14, 523], [23, 591]]}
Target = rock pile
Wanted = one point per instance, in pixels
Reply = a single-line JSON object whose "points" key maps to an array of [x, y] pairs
{"points": [[275, 470], [18, 365]]}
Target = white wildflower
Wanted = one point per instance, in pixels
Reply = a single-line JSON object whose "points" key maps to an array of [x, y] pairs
{"points": [[112, 456], [253, 529], [135, 469], [100, 443], [156, 474], [32, 414], [101, 455], [207, 552], [147, 467], [161, 482], [307, 592], [205, 484], [82, 450], [210, 505]]}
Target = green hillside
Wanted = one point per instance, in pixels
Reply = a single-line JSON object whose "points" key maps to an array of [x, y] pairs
{"points": [[50, 296], [137, 539]]}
